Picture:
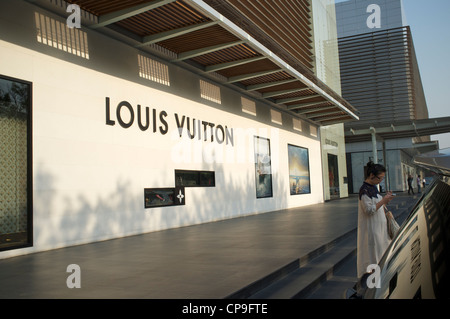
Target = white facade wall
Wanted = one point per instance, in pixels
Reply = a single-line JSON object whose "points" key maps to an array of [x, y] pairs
{"points": [[89, 177]]}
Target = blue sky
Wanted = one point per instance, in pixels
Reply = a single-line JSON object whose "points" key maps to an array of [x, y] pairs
{"points": [[430, 27]]}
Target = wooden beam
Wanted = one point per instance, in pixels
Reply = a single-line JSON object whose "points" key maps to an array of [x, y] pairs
{"points": [[116, 16], [154, 38]]}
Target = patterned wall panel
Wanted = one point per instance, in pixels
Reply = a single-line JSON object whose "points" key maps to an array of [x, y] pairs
{"points": [[14, 104]]}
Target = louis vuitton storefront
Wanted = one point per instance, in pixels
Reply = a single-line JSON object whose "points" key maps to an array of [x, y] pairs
{"points": [[101, 139]]}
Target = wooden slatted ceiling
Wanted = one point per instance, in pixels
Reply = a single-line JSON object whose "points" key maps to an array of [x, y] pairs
{"points": [[211, 36], [253, 67], [280, 76], [101, 7], [282, 87], [286, 22], [178, 14], [310, 100], [295, 94], [319, 106], [235, 53], [165, 18]]}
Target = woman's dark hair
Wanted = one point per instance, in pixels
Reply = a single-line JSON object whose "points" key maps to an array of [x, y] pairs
{"points": [[374, 169]]}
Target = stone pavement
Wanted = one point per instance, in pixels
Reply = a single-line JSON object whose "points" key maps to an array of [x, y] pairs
{"points": [[207, 261]]}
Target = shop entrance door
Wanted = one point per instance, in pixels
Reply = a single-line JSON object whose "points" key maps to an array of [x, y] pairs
{"points": [[333, 176]]}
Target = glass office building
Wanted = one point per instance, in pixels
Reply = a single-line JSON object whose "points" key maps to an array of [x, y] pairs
{"points": [[380, 76], [364, 16]]}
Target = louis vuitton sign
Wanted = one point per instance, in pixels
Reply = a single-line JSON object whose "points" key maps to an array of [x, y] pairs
{"points": [[154, 121]]}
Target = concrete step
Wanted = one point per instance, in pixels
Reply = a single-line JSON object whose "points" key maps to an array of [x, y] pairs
{"points": [[309, 264], [336, 287], [305, 279], [309, 275], [345, 278]]}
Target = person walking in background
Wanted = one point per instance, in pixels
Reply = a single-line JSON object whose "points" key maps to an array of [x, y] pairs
{"points": [[410, 188], [373, 238], [419, 181]]}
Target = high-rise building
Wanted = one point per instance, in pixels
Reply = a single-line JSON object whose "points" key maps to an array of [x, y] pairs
{"points": [[380, 76], [365, 16]]}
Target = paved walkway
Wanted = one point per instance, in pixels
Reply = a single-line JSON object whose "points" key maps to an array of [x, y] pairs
{"points": [[205, 261]]}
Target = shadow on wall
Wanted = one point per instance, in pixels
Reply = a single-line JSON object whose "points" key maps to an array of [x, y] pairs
{"points": [[60, 219], [63, 219], [233, 196]]}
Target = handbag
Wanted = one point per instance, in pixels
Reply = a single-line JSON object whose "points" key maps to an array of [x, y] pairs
{"points": [[392, 225]]}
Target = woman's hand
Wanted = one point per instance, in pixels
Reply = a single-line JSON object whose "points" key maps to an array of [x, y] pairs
{"points": [[385, 200], [388, 197]]}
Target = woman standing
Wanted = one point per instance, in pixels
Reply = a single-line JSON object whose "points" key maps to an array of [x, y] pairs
{"points": [[373, 238]]}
